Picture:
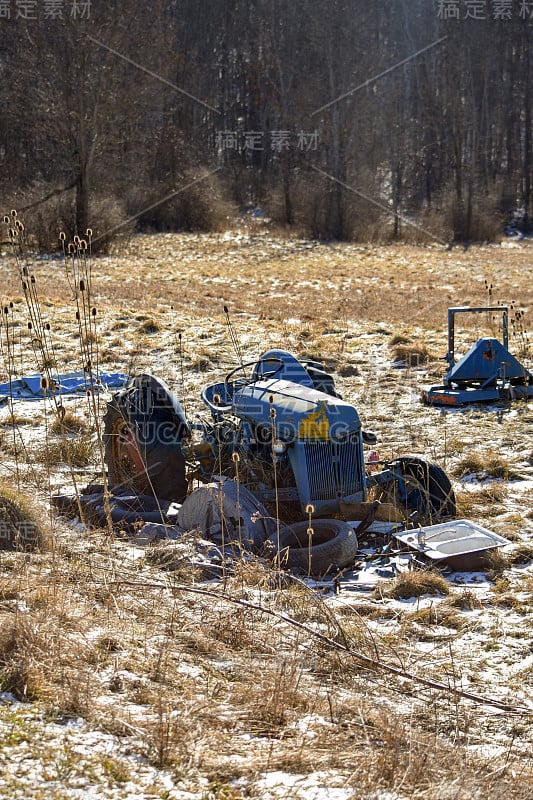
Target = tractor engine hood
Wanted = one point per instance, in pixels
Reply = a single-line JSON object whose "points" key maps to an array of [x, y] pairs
{"points": [[296, 411]]}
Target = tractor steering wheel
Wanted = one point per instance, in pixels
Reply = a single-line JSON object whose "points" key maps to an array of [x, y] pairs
{"points": [[245, 380]]}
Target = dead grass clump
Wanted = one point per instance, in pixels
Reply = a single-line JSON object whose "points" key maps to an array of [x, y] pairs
{"points": [[68, 423], [526, 583], [471, 464], [165, 740], [497, 467], [392, 750], [511, 526], [414, 584], [17, 419], [493, 493], [253, 572], [23, 652], [110, 356], [149, 326], [491, 465], [362, 610], [89, 338], [20, 528], [399, 338], [8, 591], [467, 600], [455, 445], [436, 615], [413, 355], [498, 563], [508, 599], [174, 557], [510, 534], [273, 694], [521, 554], [235, 630], [466, 503], [108, 644], [502, 584], [347, 370], [77, 452], [200, 364], [40, 660]]}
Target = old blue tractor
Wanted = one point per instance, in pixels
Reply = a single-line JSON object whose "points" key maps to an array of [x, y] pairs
{"points": [[278, 425]]}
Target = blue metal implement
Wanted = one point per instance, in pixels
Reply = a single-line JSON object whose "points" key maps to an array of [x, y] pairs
{"points": [[487, 372]]}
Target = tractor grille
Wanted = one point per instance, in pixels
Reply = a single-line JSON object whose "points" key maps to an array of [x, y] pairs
{"points": [[333, 468]]}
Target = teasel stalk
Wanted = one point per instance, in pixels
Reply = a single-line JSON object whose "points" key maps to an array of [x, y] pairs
{"points": [[7, 349], [79, 272]]}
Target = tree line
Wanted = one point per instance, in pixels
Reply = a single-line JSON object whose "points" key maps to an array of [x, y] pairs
{"points": [[339, 119]]}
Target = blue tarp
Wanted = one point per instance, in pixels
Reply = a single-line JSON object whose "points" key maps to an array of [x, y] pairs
{"points": [[29, 387]]}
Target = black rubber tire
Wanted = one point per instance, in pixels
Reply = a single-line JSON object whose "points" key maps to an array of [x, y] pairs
{"points": [[152, 467], [429, 491], [334, 546]]}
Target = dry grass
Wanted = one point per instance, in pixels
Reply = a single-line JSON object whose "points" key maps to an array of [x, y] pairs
{"points": [[415, 584], [68, 422], [149, 326], [44, 658], [489, 464], [20, 526], [78, 451], [466, 600], [412, 354], [17, 419], [521, 554], [384, 291]]}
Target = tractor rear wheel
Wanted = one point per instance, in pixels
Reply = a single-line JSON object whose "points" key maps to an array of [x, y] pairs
{"points": [[428, 491], [150, 467]]}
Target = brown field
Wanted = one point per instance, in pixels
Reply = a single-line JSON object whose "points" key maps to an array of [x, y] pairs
{"points": [[145, 681]]}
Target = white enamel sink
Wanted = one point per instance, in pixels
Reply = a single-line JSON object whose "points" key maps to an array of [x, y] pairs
{"points": [[461, 543]]}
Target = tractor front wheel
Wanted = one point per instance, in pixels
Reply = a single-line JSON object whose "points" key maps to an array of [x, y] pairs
{"points": [[421, 486]]}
